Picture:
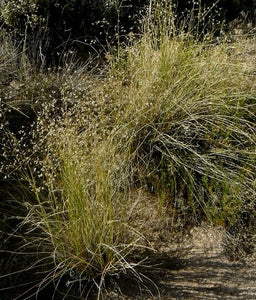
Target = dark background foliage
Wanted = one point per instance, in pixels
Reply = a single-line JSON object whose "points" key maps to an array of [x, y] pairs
{"points": [[231, 8], [87, 26]]}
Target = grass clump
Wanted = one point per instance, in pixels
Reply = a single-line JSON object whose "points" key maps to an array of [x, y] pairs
{"points": [[84, 214], [75, 188], [189, 110]]}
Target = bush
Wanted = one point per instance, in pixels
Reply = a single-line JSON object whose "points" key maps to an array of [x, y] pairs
{"points": [[46, 29]]}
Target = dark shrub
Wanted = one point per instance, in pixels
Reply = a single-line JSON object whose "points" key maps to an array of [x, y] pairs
{"points": [[49, 28]]}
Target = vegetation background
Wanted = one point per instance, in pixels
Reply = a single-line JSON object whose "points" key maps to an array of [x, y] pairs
{"points": [[124, 124]]}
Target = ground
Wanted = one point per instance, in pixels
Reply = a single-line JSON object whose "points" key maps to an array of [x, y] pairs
{"points": [[200, 270]]}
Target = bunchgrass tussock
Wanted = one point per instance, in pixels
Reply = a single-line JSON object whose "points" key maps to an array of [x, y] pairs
{"points": [[188, 106], [81, 207]]}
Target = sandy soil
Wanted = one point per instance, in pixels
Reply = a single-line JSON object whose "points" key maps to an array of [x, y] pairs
{"points": [[200, 270]]}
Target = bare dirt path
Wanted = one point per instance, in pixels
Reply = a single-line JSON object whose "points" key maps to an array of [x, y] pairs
{"points": [[201, 270], [206, 273]]}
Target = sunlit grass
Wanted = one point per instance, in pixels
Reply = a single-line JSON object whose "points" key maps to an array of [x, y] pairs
{"points": [[189, 117], [169, 116]]}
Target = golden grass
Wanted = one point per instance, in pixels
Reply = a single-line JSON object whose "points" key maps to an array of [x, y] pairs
{"points": [[170, 116]]}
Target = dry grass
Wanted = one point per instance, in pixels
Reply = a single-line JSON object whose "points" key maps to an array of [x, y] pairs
{"points": [[170, 120]]}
